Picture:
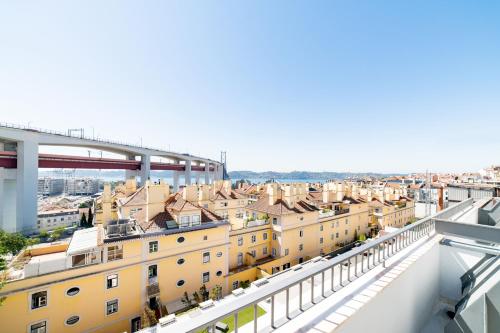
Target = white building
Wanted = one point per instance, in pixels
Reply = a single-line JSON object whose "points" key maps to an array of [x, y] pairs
{"points": [[81, 186], [50, 186], [53, 219]]}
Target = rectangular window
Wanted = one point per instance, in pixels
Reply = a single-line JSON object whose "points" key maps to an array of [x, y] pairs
{"points": [[264, 251], [206, 277], [286, 252], [274, 236], [152, 271], [275, 220], [254, 238], [321, 240], [38, 300], [346, 231], [321, 228], [240, 241], [112, 281], [337, 235], [273, 252], [111, 307], [240, 259], [115, 252], [346, 221], [40, 327], [153, 246], [206, 257], [264, 236], [236, 284], [301, 233], [301, 247], [254, 254]]}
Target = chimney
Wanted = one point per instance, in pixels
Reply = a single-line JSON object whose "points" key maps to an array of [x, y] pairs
{"points": [[203, 192], [272, 192], [340, 192], [130, 186], [106, 194], [190, 193]]}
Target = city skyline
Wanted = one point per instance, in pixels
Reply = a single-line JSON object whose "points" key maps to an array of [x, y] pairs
{"points": [[341, 84]]}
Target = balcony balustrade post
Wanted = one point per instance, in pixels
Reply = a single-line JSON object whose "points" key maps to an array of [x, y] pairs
{"points": [[312, 289], [332, 282], [288, 303], [323, 284], [272, 312], [255, 316]]}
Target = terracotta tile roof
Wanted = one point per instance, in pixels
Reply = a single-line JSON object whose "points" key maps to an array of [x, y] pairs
{"points": [[208, 216], [157, 223], [223, 195], [393, 185], [280, 207], [138, 198], [315, 196], [376, 203], [177, 203]]}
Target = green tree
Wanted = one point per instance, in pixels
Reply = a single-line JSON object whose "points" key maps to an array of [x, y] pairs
{"points": [[362, 237], [91, 218], [10, 244], [83, 221], [57, 233], [43, 234]]}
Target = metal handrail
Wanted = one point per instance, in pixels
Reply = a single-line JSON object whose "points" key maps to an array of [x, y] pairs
{"points": [[377, 252]]}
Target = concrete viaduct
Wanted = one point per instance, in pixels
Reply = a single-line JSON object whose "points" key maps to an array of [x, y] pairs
{"points": [[20, 160]]}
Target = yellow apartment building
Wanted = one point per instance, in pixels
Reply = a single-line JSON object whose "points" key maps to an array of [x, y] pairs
{"points": [[149, 247], [106, 276]]}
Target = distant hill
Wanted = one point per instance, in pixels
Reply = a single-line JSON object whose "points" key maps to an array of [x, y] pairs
{"points": [[323, 175], [235, 175]]}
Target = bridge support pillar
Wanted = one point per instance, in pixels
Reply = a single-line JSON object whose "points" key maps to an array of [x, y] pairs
{"points": [[27, 186], [207, 173], [187, 173], [145, 168], [176, 181], [129, 174]]}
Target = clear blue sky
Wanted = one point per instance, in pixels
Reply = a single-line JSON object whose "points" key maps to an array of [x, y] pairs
{"points": [[384, 86]]}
